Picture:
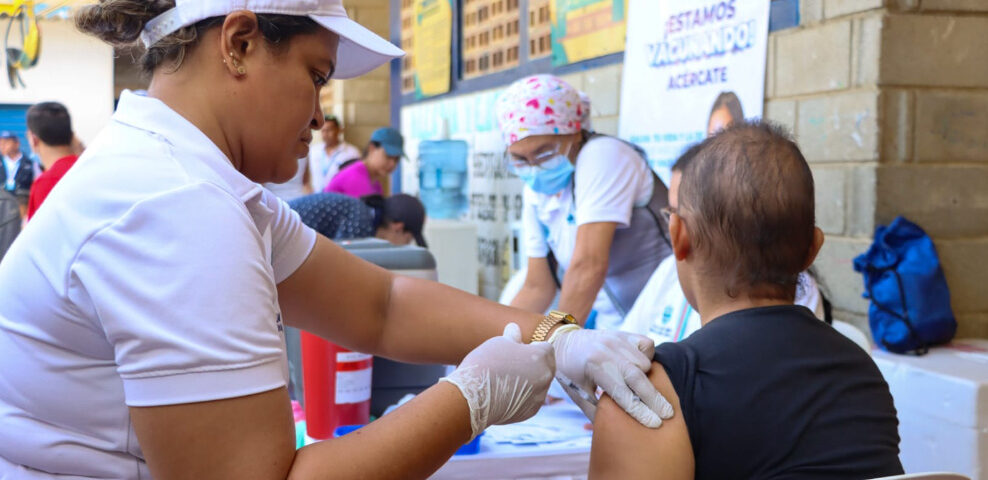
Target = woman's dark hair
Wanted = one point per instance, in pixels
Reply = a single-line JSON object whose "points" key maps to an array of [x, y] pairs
{"points": [[367, 148], [378, 204], [731, 102], [120, 22], [399, 208]]}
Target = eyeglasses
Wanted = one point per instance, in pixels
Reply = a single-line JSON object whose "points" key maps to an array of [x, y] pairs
{"points": [[539, 160], [667, 213]]}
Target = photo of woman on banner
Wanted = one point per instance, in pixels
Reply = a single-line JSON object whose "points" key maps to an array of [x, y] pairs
{"points": [[590, 202], [726, 110]]}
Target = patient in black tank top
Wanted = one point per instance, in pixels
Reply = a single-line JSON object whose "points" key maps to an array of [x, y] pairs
{"points": [[773, 392], [763, 390]]}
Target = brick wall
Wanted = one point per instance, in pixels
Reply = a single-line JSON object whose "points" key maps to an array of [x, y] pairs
{"points": [[889, 102]]}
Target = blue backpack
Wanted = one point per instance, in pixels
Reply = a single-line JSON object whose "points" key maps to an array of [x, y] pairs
{"points": [[910, 302]]}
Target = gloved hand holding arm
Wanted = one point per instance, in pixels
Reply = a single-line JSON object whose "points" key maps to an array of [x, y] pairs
{"points": [[504, 380], [617, 362], [500, 381]]}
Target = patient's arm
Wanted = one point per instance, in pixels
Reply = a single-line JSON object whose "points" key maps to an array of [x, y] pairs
{"points": [[623, 448]]}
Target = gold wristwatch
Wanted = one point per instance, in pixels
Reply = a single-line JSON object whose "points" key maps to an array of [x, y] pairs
{"points": [[554, 318]]}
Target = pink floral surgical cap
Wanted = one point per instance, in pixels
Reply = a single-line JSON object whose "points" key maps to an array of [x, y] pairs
{"points": [[540, 105]]}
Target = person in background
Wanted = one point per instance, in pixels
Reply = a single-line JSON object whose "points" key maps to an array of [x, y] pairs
{"points": [[325, 162], [398, 219], [297, 186], [726, 110], [591, 205], [662, 312], [19, 170], [50, 136], [366, 176], [10, 221], [763, 389], [77, 146]]}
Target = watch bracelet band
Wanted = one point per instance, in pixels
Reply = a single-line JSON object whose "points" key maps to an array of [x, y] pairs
{"points": [[550, 320], [561, 330]]}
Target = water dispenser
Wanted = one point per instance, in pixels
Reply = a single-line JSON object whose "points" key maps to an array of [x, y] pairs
{"points": [[443, 177]]}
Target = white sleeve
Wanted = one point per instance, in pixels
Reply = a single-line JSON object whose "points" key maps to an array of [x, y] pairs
{"points": [[536, 245], [350, 152], [653, 298], [808, 294], [184, 294], [291, 240], [609, 175], [317, 157]]}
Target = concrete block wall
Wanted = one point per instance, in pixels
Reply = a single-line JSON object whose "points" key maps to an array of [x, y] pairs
{"points": [[363, 104], [603, 85], [889, 101], [935, 156]]}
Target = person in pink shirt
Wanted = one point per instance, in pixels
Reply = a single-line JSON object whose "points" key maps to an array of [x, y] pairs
{"points": [[365, 176]]}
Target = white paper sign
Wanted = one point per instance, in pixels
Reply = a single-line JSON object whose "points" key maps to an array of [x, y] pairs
{"points": [[494, 194], [690, 66]]}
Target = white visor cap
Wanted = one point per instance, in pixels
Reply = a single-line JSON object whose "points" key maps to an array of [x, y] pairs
{"points": [[360, 50]]}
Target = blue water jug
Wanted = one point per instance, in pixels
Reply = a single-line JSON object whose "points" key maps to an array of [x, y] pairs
{"points": [[443, 177]]}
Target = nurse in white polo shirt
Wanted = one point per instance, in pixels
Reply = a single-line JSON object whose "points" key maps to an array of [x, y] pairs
{"points": [[141, 330], [591, 203]]}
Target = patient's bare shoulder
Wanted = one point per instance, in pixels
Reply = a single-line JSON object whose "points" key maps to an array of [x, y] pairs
{"points": [[623, 448]]}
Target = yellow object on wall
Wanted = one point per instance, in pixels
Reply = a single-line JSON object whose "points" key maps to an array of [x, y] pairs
{"points": [[432, 31], [585, 29], [22, 38]]}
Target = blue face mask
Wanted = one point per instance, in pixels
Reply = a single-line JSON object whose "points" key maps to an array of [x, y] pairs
{"points": [[548, 178]]}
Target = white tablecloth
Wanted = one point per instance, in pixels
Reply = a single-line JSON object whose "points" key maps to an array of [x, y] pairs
{"points": [[565, 458]]}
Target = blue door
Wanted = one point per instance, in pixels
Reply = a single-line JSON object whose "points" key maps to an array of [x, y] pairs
{"points": [[13, 118]]}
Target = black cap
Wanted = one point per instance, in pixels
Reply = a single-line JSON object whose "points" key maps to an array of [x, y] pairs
{"points": [[409, 211]]}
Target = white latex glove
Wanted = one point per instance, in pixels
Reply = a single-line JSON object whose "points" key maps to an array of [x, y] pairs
{"points": [[616, 362], [504, 380]]}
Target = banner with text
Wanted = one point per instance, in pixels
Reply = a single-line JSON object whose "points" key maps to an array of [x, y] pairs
{"points": [[690, 68]]}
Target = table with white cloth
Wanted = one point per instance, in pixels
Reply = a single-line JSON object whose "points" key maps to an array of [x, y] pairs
{"points": [[551, 445]]}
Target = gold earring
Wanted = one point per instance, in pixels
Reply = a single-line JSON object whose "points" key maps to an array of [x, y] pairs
{"points": [[241, 70]]}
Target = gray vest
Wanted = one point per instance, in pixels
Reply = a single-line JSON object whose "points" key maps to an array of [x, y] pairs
{"points": [[636, 250]]}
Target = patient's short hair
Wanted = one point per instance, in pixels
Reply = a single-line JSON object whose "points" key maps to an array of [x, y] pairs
{"points": [[687, 157], [747, 203]]}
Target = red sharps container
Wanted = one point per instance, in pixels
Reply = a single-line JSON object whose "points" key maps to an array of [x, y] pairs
{"points": [[337, 386]]}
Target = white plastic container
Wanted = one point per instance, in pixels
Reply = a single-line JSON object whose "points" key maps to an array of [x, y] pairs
{"points": [[942, 402]]}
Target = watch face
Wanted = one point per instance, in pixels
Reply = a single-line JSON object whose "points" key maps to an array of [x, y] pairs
{"points": [[562, 317]]}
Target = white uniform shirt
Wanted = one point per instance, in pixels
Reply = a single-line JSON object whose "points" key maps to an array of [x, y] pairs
{"points": [[324, 166], [148, 279], [610, 180], [294, 187], [663, 314], [10, 165]]}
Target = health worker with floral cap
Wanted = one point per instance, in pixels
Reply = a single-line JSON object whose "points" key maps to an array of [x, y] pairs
{"points": [[142, 331], [592, 205]]}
